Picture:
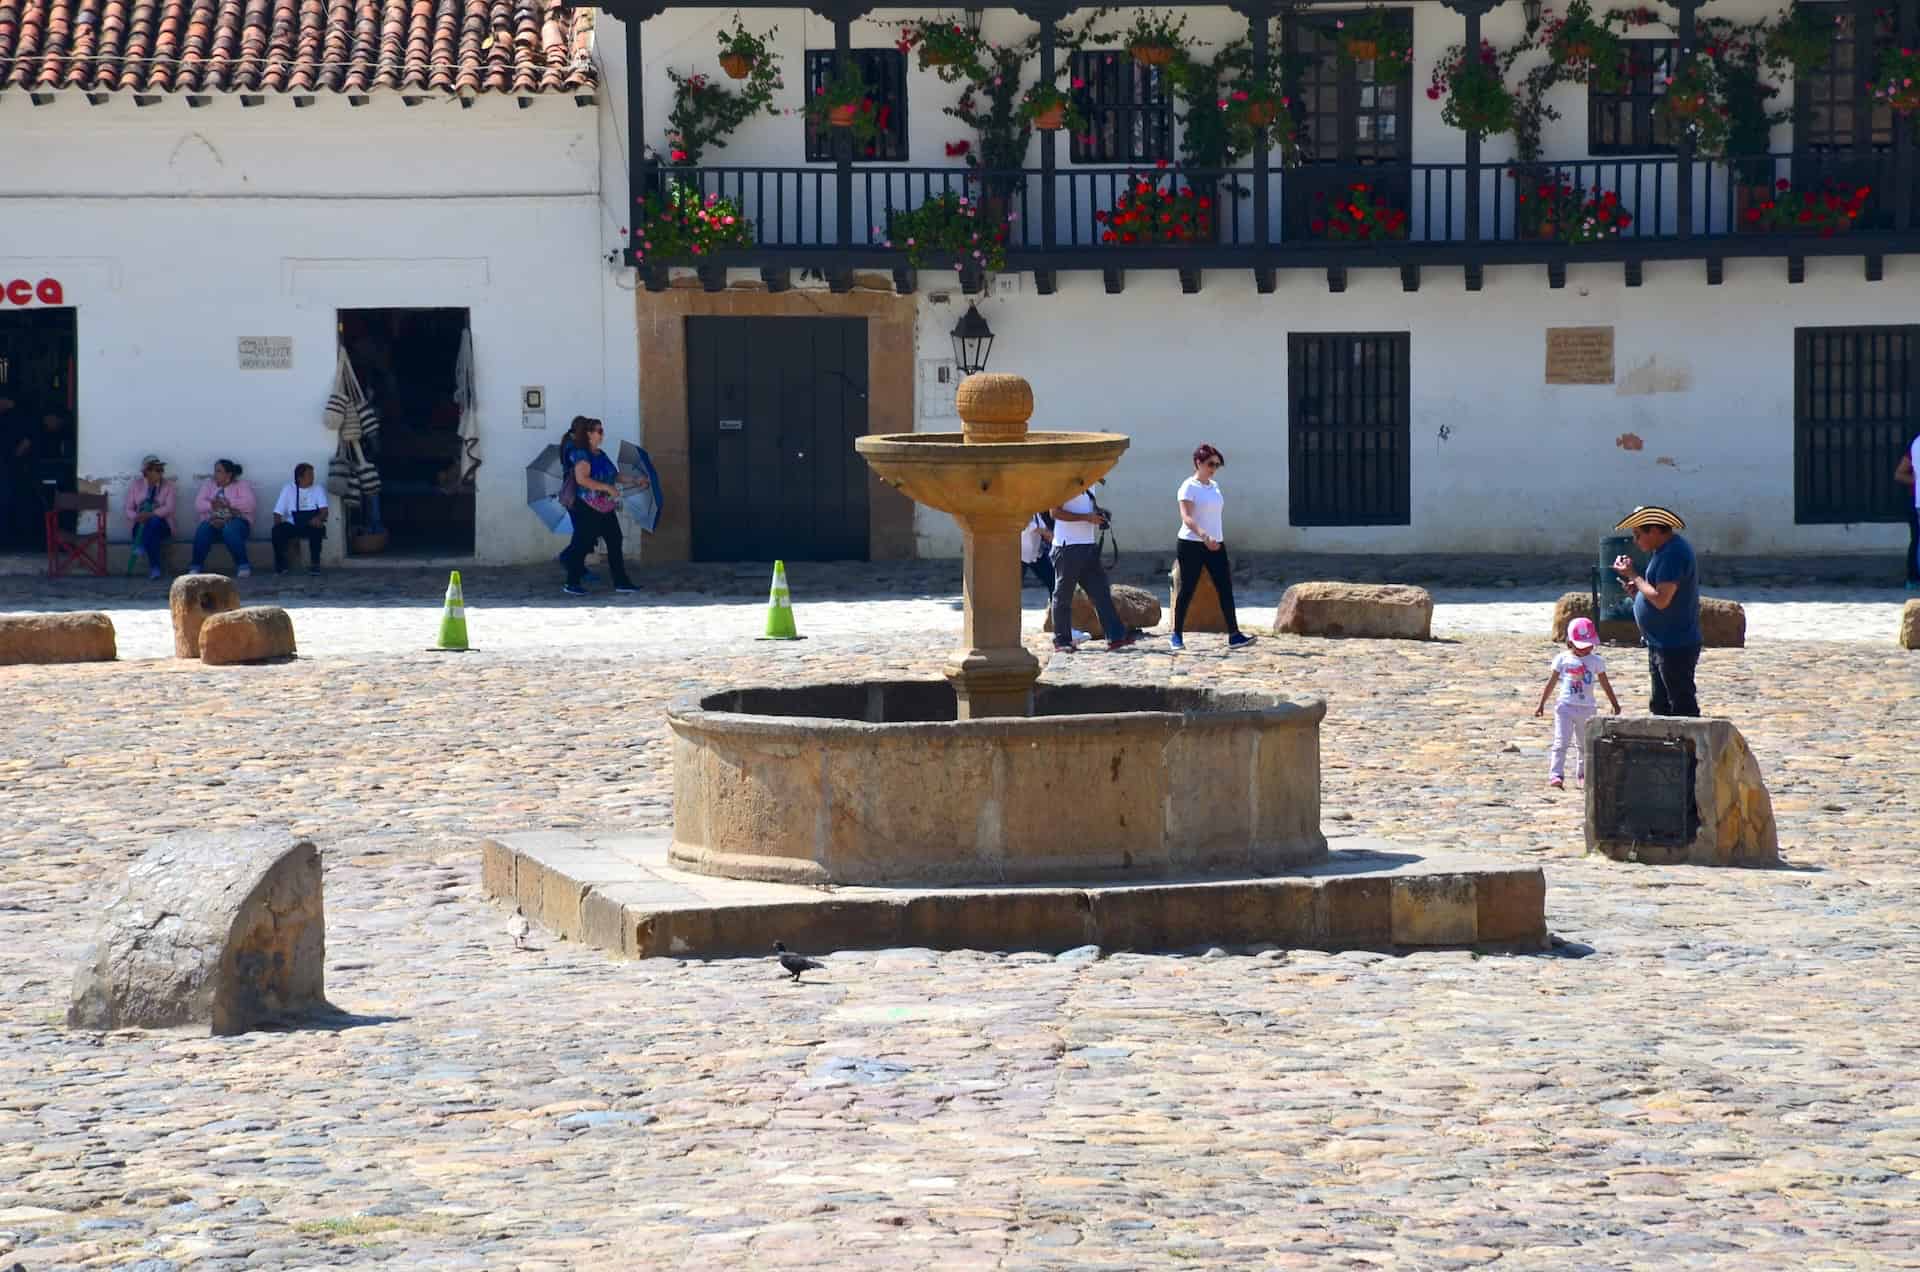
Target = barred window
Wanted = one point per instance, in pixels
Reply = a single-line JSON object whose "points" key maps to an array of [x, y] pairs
{"points": [[1129, 108], [885, 71]]}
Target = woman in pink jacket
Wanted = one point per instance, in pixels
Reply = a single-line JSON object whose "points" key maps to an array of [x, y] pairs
{"points": [[149, 508], [225, 505]]}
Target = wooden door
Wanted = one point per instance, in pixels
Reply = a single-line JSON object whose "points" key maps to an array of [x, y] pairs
{"points": [[773, 406]]}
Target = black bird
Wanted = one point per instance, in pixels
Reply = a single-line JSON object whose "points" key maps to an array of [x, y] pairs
{"points": [[794, 963]]}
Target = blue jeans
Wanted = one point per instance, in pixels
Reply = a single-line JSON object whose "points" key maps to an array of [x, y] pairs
{"points": [[152, 535], [233, 534]]}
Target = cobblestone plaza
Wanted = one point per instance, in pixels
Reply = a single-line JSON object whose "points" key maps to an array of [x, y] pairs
{"points": [[1713, 1068]]}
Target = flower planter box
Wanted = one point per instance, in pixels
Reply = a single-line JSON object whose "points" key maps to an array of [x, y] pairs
{"points": [[1153, 54], [1746, 198], [736, 65]]}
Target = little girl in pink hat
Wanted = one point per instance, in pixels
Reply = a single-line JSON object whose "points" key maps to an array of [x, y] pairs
{"points": [[1575, 670]]}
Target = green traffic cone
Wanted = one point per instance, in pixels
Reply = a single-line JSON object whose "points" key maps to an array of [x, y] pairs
{"points": [[453, 621], [780, 607]]}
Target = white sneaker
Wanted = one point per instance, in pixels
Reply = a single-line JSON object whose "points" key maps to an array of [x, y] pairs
{"points": [[244, 572]]}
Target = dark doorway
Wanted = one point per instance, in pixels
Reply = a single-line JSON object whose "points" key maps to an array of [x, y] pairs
{"points": [[1348, 419], [39, 435], [773, 406], [405, 360]]}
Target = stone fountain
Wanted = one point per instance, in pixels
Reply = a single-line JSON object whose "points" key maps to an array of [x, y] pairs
{"points": [[984, 778], [990, 809]]}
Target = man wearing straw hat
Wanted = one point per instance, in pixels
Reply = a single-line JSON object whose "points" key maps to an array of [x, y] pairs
{"points": [[1666, 606]]}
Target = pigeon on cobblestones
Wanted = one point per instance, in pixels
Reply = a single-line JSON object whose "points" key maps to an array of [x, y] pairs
{"points": [[517, 928], [794, 963]]}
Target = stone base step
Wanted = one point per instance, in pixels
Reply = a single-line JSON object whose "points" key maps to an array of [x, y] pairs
{"points": [[617, 893]]}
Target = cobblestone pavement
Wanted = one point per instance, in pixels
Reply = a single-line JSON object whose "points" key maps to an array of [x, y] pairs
{"points": [[1727, 1080]]}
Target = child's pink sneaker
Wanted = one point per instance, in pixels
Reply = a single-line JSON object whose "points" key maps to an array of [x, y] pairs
{"points": [[1556, 783]]}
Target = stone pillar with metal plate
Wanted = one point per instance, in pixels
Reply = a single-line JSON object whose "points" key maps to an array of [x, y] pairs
{"points": [[1667, 790]]}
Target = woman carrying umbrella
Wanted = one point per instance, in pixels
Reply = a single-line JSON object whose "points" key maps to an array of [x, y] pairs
{"points": [[597, 484]]}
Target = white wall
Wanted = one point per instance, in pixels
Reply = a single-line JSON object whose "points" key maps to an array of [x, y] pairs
{"points": [[1704, 379], [175, 231]]}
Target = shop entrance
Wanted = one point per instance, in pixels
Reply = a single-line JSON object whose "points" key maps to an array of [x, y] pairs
{"points": [[407, 362], [39, 438]]}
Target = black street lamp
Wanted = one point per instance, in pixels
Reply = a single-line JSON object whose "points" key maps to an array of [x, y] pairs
{"points": [[972, 341]]}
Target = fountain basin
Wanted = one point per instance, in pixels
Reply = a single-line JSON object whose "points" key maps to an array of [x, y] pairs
{"points": [[879, 783], [993, 481]]}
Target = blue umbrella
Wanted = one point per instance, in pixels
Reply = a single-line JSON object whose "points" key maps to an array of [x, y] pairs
{"points": [[545, 475], [642, 505]]}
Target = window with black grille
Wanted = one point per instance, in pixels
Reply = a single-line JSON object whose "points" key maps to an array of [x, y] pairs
{"points": [[1623, 121], [1832, 111], [1348, 423], [1854, 415], [1353, 114], [1129, 108], [885, 71]]}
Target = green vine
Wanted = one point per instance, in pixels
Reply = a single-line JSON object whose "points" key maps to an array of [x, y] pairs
{"points": [[706, 113]]}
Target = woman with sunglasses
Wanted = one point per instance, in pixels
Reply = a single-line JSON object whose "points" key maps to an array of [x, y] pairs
{"points": [[1200, 546], [597, 483]]}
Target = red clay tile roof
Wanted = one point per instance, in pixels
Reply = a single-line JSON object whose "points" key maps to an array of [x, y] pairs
{"points": [[295, 46]]}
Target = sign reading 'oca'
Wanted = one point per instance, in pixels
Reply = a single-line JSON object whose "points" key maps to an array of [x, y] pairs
{"points": [[20, 291]]}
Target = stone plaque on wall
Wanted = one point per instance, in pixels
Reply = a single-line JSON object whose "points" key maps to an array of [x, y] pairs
{"points": [[1579, 355], [266, 353]]}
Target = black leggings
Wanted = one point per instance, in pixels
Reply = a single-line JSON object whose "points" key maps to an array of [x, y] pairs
{"points": [[1194, 557], [590, 524], [1913, 544]]}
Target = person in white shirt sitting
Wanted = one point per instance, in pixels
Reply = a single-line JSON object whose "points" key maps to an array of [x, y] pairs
{"points": [[300, 511]]}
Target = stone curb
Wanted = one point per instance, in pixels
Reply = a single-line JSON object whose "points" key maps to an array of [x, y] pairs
{"points": [[598, 898]]}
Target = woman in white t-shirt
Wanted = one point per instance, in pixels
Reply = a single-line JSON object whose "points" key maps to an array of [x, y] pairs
{"points": [[1201, 546]]}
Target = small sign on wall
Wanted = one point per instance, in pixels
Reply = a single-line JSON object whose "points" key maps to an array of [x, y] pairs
{"points": [[1579, 355], [266, 353], [533, 406], [938, 380]]}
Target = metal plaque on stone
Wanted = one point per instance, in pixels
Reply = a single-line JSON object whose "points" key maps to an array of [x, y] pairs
{"points": [[1644, 790]]}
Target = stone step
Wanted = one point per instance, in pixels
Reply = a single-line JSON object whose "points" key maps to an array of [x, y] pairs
{"points": [[617, 893]]}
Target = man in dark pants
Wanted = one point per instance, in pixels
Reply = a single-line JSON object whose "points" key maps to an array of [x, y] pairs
{"points": [[1666, 606]]}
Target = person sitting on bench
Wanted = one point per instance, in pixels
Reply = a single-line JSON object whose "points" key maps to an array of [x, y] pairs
{"points": [[299, 512]]}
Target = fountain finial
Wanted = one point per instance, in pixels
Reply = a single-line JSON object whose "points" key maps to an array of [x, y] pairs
{"points": [[994, 407]]}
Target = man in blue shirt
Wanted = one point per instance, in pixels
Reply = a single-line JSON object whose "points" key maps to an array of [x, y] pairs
{"points": [[1666, 605]]}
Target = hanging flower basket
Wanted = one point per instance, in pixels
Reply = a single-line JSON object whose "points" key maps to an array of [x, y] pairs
{"points": [[1156, 37], [1363, 50], [1052, 119], [736, 65], [1262, 111], [741, 50], [841, 116], [1152, 54], [1686, 105], [1377, 36], [1050, 109]]}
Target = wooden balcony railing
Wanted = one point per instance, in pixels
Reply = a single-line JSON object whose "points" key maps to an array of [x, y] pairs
{"points": [[1530, 215]]}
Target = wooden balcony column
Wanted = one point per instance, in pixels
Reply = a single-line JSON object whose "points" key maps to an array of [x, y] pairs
{"points": [[1472, 11]]}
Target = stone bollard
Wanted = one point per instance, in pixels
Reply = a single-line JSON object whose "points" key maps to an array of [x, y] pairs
{"points": [[1135, 607], [1203, 611], [1723, 623], [193, 599], [1910, 625], [253, 634], [221, 931], [1667, 790], [1391, 611], [56, 638]]}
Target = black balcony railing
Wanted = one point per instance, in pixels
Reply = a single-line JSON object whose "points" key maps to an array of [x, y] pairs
{"points": [[1554, 212]]}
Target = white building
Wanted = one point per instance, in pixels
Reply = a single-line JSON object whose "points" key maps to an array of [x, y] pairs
{"points": [[1387, 396], [218, 224], [1443, 426]]}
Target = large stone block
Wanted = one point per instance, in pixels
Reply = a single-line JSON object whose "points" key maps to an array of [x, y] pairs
{"points": [[253, 634], [1666, 790], [1203, 611], [1392, 611], [194, 598], [56, 638], [220, 931], [1723, 623], [1910, 625], [1135, 607]]}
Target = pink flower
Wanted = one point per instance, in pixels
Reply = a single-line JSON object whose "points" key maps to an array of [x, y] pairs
{"points": [[909, 242], [1078, 82], [726, 220]]}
